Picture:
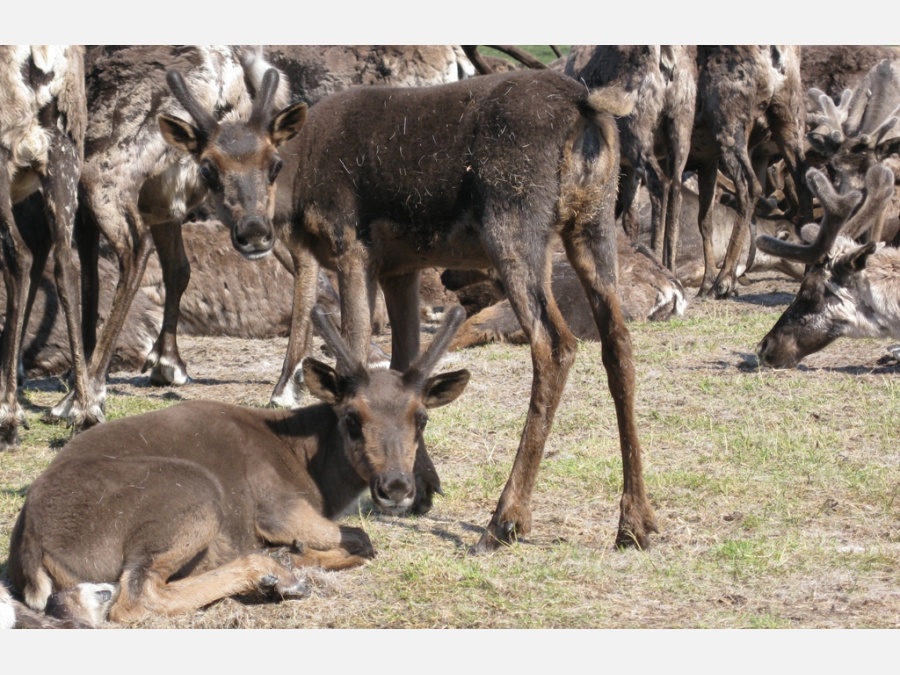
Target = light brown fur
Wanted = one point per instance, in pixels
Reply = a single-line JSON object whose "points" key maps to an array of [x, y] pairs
{"points": [[180, 519]]}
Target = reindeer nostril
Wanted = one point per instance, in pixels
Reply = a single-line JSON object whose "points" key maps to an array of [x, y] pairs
{"points": [[394, 486]]}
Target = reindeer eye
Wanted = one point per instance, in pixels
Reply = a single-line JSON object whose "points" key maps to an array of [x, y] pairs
{"points": [[353, 425], [209, 175], [275, 170]]}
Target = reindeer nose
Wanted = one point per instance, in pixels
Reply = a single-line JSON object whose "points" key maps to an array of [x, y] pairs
{"points": [[394, 487], [253, 237]]}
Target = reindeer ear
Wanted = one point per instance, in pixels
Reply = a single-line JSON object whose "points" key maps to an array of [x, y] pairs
{"points": [[444, 388], [856, 260], [287, 123], [323, 381], [179, 134]]}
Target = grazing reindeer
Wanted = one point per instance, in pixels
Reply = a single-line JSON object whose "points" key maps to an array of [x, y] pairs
{"points": [[749, 108], [146, 166], [42, 126], [181, 519], [486, 172], [656, 137], [850, 290]]}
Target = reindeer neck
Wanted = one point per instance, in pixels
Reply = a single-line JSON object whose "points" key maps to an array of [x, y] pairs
{"points": [[338, 483]]}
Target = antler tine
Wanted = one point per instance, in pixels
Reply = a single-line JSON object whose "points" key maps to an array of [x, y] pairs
{"points": [[202, 117], [421, 369], [262, 106], [838, 208], [879, 190], [345, 361]]}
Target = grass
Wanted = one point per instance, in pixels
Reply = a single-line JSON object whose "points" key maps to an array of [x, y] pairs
{"points": [[776, 491]]}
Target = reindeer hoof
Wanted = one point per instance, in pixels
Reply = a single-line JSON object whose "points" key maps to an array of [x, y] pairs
{"points": [[166, 373], [635, 532], [356, 542], [9, 437], [294, 589], [494, 537]]}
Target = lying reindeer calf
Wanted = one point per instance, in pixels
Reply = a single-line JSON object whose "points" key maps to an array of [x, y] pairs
{"points": [[179, 505]]}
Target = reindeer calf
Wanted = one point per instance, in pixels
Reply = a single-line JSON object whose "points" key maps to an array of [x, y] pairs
{"points": [[177, 505]]}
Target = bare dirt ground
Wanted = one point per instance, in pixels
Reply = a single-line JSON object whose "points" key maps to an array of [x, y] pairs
{"points": [[776, 491]]}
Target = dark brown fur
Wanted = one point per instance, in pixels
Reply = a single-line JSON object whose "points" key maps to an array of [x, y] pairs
{"points": [[479, 173]]}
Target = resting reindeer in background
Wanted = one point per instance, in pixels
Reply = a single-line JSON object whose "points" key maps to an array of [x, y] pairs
{"points": [[850, 290], [146, 166], [480, 173], [42, 126], [211, 503]]}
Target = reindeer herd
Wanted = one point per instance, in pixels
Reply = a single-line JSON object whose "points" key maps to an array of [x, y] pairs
{"points": [[392, 163]]}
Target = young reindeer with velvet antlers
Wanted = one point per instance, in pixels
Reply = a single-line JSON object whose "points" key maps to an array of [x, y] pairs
{"points": [[210, 502]]}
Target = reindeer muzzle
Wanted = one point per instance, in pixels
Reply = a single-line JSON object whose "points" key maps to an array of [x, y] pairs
{"points": [[393, 490]]}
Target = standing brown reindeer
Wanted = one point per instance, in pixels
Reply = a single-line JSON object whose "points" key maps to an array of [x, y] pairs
{"points": [[42, 127], [180, 518], [486, 172]]}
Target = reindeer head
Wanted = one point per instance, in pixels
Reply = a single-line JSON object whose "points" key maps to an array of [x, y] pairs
{"points": [[829, 301], [859, 132], [238, 161], [382, 413]]}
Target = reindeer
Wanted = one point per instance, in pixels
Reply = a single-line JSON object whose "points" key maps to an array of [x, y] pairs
{"points": [[749, 109], [479, 173], [859, 132], [180, 519], [647, 292], [42, 127], [850, 290], [656, 137], [146, 166]]}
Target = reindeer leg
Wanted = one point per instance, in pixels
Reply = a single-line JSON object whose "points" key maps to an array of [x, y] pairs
{"points": [[594, 261], [166, 363], [17, 262], [31, 220], [289, 388], [401, 296], [524, 267], [706, 183], [316, 540], [61, 198], [132, 248], [679, 142], [740, 170], [145, 589]]}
